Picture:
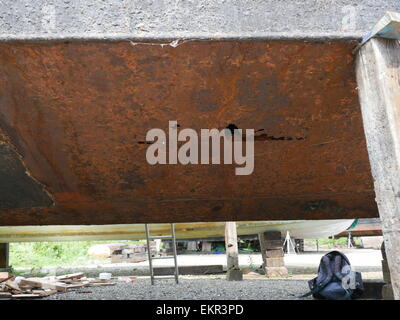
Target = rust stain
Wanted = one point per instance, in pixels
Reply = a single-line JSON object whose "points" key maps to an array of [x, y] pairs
{"points": [[77, 112]]}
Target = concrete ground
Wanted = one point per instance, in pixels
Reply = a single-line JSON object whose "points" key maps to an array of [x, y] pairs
{"points": [[300, 266]]}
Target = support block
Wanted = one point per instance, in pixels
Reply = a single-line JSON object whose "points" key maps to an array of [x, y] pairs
{"points": [[274, 253], [274, 262], [273, 244], [234, 275], [373, 290], [385, 271], [206, 246], [269, 236], [272, 235], [387, 292], [276, 272]]}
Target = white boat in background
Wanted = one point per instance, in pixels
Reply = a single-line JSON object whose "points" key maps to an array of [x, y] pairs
{"points": [[299, 229]]}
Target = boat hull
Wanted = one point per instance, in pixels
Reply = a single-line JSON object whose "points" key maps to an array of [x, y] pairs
{"points": [[298, 229], [76, 114]]}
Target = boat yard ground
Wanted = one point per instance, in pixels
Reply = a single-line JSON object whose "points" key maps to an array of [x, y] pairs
{"points": [[193, 288], [367, 261], [302, 267]]}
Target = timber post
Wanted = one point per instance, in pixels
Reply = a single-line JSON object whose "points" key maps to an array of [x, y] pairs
{"points": [[378, 78], [232, 252]]}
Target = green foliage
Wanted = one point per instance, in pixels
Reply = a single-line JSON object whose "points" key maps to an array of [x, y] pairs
{"points": [[332, 243], [41, 254]]}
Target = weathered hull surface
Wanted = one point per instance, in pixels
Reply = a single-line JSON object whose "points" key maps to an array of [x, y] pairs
{"points": [[76, 114], [298, 229]]}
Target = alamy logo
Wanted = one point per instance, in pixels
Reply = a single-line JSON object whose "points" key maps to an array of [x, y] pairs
{"points": [[196, 149], [349, 280]]}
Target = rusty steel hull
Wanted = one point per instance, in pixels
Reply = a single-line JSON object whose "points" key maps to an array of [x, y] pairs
{"points": [[77, 113]]}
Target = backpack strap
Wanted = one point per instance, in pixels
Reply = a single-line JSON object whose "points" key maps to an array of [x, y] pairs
{"points": [[317, 287], [337, 268], [306, 295]]}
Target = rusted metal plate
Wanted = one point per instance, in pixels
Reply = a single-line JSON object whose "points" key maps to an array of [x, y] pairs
{"points": [[78, 113]]}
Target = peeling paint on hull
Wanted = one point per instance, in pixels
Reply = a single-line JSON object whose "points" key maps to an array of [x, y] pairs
{"points": [[77, 112], [18, 189]]}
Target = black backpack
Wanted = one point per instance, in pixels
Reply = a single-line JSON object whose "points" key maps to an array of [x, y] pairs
{"points": [[335, 280]]}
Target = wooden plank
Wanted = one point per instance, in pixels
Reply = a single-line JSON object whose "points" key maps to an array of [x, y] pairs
{"points": [[10, 284], [30, 283], [4, 275], [71, 276], [80, 284], [38, 283], [6, 279], [5, 295], [59, 286], [101, 284], [44, 293], [26, 295], [378, 77]]}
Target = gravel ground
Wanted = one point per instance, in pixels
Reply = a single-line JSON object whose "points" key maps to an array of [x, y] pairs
{"points": [[189, 288], [363, 260]]}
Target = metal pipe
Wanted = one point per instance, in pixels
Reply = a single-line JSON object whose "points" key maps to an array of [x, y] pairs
{"points": [[149, 253], [175, 253]]}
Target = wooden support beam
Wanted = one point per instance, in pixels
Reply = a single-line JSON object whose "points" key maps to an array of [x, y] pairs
{"points": [[388, 27], [378, 78], [232, 252], [4, 256]]}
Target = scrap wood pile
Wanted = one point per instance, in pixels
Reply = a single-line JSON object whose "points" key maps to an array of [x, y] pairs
{"points": [[132, 252], [36, 287], [123, 252]]}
